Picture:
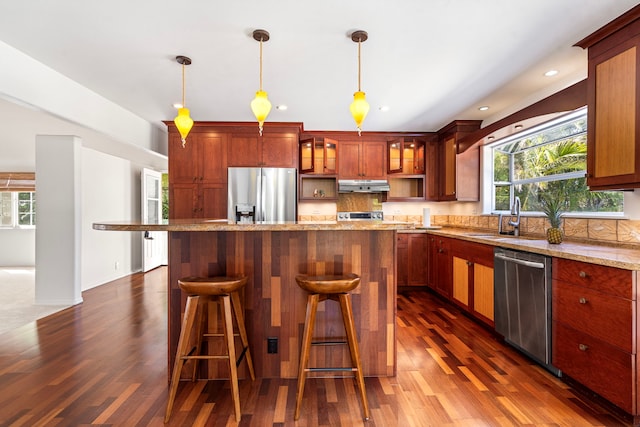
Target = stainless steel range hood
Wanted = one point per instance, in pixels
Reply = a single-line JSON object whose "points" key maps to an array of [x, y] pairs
{"points": [[363, 186]]}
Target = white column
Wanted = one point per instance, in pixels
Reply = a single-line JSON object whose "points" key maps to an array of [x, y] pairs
{"points": [[58, 220]]}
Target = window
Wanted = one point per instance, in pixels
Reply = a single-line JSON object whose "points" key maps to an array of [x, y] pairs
{"points": [[550, 157], [17, 209]]}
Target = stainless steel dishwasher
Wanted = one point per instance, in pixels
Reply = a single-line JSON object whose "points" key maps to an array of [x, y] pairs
{"points": [[522, 301]]}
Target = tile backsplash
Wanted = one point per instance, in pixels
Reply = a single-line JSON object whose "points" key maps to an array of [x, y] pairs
{"points": [[623, 231]]}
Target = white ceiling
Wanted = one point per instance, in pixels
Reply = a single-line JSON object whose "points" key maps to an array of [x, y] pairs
{"points": [[430, 61]]}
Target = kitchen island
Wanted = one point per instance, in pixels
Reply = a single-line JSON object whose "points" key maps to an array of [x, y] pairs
{"points": [[271, 255]]}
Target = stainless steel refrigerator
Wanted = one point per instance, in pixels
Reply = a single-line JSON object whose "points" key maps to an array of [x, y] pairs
{"points": [[262, 194]]}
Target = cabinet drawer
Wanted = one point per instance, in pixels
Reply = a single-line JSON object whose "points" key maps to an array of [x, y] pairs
{"points": [[609, 280], [606, 317], [601, 367]]}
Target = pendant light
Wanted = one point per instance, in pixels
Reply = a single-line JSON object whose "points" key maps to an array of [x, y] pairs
{"points": [[183, 122], [359, 107], [260, 104]]}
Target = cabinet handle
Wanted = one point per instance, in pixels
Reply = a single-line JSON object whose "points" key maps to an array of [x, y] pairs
{"points": [[582, 300], [469, 263], [582, 274], [583, 347], [440, 250]]}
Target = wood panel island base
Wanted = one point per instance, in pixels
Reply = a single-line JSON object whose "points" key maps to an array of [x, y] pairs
{"points": [[271, 255]]}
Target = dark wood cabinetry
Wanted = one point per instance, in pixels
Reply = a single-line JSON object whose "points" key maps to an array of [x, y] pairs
{"points": [[318, 156], [406, 155], [362, 159], [595, 329], [472, 281], [411, 259], [198, 175], [198, 172], [613, 133], [457, 168], [439, 267], [275, 148]]}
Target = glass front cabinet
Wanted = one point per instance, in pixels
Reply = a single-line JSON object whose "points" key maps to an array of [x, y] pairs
{"points": [[318, 169], [406, 168], [406, 156], [318, 155]]}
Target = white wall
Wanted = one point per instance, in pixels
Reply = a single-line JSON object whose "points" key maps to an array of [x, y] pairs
{"points": [[110, 191], [18, 248]]}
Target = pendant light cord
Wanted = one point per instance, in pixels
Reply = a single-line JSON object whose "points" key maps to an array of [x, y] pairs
{"points": [[183, 86], [359, 43], [260, 63]]}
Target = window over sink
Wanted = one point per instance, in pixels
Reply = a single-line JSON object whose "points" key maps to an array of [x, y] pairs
{"points": [[548, 157]]}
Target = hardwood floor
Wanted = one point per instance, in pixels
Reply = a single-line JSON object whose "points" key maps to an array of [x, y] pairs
{"points": [[104, 362]]}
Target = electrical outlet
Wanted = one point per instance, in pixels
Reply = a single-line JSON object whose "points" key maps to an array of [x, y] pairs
{"points": [[117, 265], [272, 345]]}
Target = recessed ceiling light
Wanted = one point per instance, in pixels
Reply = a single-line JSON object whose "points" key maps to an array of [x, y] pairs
{"points": [[551, 73], [383, 108], [281, 107], [491, 138], [483, 108], [177, 105], [516, 127]]}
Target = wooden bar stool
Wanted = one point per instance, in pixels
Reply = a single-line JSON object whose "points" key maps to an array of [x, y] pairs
{"points": [[200, 291], [336, 288]]}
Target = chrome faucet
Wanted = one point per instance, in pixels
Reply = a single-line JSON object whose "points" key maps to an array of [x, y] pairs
{"points": [[515, 211]]}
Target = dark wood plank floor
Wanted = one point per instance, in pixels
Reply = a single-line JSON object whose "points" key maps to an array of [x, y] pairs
{"points": [[103, 362]]}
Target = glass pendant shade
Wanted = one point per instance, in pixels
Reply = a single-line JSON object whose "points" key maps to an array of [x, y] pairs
{"points": [[359, 109], [261, 107], [184, 123]]}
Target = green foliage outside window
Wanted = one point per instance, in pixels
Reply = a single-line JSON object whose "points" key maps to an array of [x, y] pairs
{"points": [[551, 160]]}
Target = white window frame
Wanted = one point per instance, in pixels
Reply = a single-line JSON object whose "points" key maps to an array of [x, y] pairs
{"points": [[488, 185], [14, 213]]}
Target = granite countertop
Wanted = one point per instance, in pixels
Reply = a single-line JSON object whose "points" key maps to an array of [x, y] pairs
{"points": [[612, 256], [225, 225]]}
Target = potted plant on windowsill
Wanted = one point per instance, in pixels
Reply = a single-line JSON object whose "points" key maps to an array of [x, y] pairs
{"points": [[552, 208]]}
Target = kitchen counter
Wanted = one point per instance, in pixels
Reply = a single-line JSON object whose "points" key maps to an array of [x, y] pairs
{"points": [[271, 255], [612, 256], [226, 225]]}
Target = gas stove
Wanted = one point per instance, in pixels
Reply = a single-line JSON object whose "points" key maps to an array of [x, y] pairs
{"points": [[360, 216]]}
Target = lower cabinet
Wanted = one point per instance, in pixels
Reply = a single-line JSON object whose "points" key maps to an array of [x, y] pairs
{"points": [[472, 278], [439, 265], [412, 256], [595, 329]]}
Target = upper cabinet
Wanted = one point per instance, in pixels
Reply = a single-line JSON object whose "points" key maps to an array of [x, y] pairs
{"points": [[198, 174], [613, 128], [318, 156], [406, 155], [457, 168], [275, 148], [362, 159]]}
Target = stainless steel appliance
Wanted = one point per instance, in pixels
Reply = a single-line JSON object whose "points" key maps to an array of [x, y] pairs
{"points": [[360, 216], [261, 194], [363, 186], [522, 302]]}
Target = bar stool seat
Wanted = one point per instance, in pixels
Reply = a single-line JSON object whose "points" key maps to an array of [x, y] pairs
{"points": [[336, 288], [200, 290]]}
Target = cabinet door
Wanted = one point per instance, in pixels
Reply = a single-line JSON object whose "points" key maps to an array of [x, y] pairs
{"points": [[244, 151], [402, 268], [183, 201], [349, 160], [213, 201], [483, 290], [448, 168], [213, 157], [612, 137], [417, 262], [184, 164], [460, 282], [432, 171], [444, 268], [279, 150], [373, 160], [394, 155]]}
